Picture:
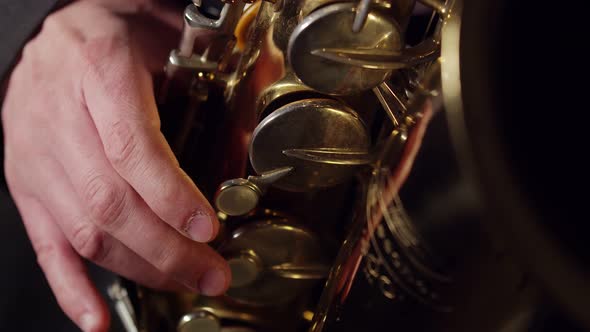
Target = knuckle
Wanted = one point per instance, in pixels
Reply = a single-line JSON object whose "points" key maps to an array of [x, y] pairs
{"points": [[30, 70], [105, 201], [121, 146], [90, 243], [52, 22], [108, 62], [46, 252], [98, 52], [29, 51]]}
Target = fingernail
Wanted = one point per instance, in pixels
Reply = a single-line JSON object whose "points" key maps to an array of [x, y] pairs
{"points": [[88, 322], [212, 282], [200, 227]]}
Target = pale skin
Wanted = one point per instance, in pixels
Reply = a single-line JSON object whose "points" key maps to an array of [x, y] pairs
{"points": [[87, 166]]}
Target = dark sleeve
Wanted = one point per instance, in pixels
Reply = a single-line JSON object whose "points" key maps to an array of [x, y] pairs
{"points": [[19, 19]]}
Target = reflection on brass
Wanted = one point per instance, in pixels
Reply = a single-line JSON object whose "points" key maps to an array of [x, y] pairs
{"points": [[308, 123], [270, 253], [237, 197], [199, 321], [393, 106], [322, 30], [245, 268], [280, 93], [361, 13], [426, 51], [438, 5], [302, 122], [123, 307], [244, 25], [301, 272], [332, 156], [451, 75]]}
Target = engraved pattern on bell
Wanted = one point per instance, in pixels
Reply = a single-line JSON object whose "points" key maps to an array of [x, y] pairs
{"points": [[392, 242], [396, 259]]}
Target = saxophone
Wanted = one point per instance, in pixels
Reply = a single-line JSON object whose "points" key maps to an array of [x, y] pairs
{"points": [[332, 165]]}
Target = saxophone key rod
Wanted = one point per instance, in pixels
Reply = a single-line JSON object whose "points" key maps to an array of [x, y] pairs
{"points": [[360, 16]]}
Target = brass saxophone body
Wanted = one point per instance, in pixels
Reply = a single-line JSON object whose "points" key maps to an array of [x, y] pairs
{"points": [[320, 135]]}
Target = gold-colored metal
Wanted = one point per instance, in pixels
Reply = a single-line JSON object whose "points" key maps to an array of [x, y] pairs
{"points": [[451, 78], [244, 24], [304, 124], [378, 59], [314, 39], [246, 267], [199, 321], [311, 114], [438, 5], [277, 246], [237, 197], [356, 244], [267, 115]]}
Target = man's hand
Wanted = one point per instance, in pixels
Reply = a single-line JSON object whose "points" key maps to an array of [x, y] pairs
{"points": [[90, 171]]}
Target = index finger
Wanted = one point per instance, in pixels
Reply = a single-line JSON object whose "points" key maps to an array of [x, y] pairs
{"points": [[119, 95]]}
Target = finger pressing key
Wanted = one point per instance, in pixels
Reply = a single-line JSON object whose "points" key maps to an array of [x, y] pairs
{"points": [[115, 207], [123, 108]]}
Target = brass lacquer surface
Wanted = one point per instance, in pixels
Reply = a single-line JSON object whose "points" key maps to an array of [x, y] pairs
{"points": [[331, 219]]}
